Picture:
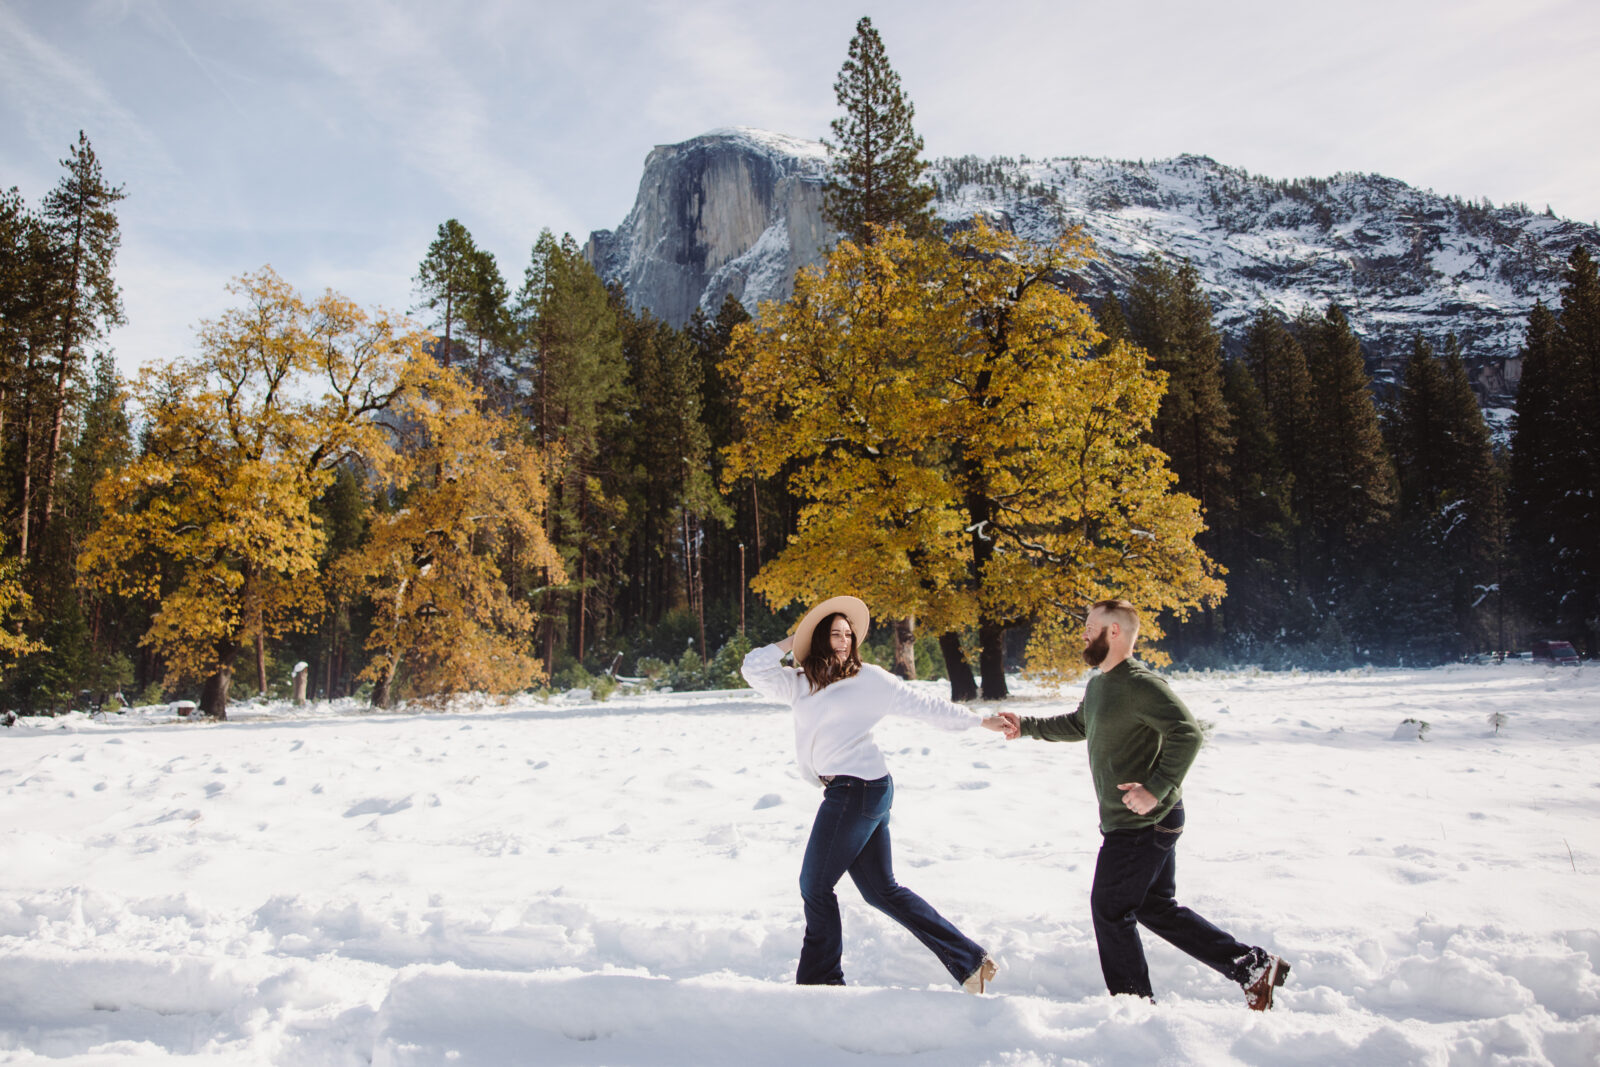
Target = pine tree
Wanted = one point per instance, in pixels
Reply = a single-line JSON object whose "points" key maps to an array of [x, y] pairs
{"points": [[449, 279], [1254, 538], [876, 175], [1422, 448], [29, 281], [1113, 322], [678, 502], [1445, 557], [1351, 491], [570, 352], [1279, 365], [1556, 464], [89, 633], [486, 318], [344, 511], [758, 507], [1170, 317], [1580, 337], [1540, 469], [80, 213]]}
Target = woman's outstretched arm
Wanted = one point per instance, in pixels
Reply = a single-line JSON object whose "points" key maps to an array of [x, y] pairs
{"points": [[763, 668]]}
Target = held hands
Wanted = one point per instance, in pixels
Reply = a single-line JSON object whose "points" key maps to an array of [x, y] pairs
{"points": [[1006, 723], [1136, 798]]}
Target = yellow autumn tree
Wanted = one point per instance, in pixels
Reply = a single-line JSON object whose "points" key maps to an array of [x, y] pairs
{"points": [[965, 452], [213, 523], [470, 494], [15, 604]]}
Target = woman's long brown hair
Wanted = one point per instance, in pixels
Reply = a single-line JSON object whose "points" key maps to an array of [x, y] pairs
{"points": [[821, 668]]}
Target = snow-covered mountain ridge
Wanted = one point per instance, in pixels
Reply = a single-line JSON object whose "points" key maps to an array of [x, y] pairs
{"points": [[740, 211]]}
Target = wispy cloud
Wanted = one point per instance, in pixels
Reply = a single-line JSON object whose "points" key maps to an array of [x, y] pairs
{"points": [[409, 81], [47, 93]]}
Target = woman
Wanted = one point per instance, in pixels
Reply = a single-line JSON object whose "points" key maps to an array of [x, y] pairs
{"points": [[837, 700]]}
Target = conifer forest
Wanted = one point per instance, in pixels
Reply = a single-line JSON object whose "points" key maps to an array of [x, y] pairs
{"points": [[524, 484]]}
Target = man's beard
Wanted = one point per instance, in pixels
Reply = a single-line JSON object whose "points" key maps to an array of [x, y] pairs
{"points": [[1096, 651]]}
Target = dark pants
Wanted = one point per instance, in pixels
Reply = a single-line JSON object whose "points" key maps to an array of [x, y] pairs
{"points": [[851, 833], [1134, 881]]}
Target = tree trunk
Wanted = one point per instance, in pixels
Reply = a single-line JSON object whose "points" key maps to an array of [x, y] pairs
{"points": [[583, 568], [583, 598], [992, 659], [755, 504], [68, 341], [261, 664], [214, 695], [383, 690], [905, 648], [27, 483], [549, 653], [449, 316], [963, 686]]}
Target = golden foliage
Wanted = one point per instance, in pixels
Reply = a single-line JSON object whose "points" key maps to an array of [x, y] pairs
{"points": [[965, 453], [471, 492], [213, 522], [15, 604]]}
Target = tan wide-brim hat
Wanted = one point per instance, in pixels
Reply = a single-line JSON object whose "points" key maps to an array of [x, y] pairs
{"points": [[850, 607]]}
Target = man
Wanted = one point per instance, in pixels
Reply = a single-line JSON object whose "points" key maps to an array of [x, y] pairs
{"points": [[1142, 740]]}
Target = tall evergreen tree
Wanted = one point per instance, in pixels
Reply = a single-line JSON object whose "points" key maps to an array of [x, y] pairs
{"points": [[1539, 473], [876, 174], [1170, 317], [1113, 322], [80, 211], [571, 354], [448, 279], [1556, 459], [1444, 555], [486, 319], [28, 284], [876, 181], [1580, 339], [1278, 363], [1254, 537], [671, 451], [758, 506], [1351, 494]]}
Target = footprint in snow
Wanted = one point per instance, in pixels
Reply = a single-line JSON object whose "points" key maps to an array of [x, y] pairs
{"points": [[377, 806], [770, 800]]}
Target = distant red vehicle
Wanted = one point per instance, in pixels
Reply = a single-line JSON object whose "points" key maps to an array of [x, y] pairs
{"points": [[1560, 653]]}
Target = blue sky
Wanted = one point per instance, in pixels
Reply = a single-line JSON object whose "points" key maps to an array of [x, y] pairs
{"points": [[330, 138]]}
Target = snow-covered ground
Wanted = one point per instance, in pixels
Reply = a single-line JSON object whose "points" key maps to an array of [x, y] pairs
{"points": [[572, 883]]}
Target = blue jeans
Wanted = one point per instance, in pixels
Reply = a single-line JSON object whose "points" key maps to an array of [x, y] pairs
{"points": [[851, 833], [1135, 879]]}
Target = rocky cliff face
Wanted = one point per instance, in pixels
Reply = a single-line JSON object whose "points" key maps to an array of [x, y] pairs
{"points": [[734, 211], [740, 211]]}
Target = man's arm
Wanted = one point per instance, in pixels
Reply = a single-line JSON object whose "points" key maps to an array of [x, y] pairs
{"points": [[1163, 712], [1052, 728]]}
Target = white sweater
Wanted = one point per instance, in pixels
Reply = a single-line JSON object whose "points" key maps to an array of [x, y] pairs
{"points": [[833, 726]]}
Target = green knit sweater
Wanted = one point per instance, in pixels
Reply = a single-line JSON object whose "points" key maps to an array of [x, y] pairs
{"points": [[1138, 731]]}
